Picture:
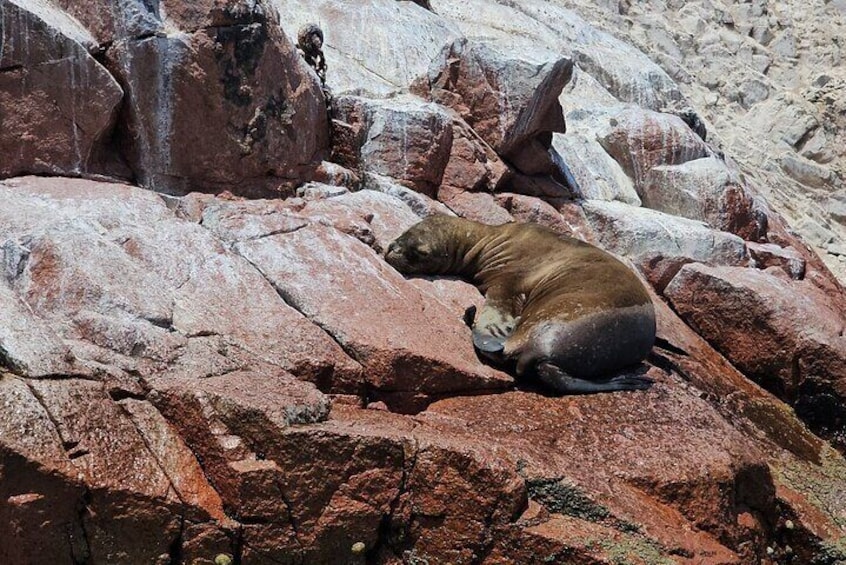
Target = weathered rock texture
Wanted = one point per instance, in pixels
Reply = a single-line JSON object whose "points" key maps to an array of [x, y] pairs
{"points": [[187, 376]]}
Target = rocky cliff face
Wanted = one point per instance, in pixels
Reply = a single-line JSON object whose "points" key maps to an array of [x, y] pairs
{"points": [[205, 359]]}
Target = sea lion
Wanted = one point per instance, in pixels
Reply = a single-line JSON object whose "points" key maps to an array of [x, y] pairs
{"points": [[564, 310]]}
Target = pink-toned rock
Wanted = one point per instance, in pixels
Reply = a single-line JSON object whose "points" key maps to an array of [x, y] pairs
{"points": [[113, 491], [230, 106], [768, 255], [708, 190], [404, 138], [420, 204], [108, 291], [28, 345], [569, 220], [473, 164], [511, 102], [59, 104], [640, 140], [406, 341], [784, 334], [478, 206], [372, 217]]}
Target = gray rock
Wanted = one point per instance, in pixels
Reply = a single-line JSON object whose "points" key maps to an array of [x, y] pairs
{"points": [[642, 234]]}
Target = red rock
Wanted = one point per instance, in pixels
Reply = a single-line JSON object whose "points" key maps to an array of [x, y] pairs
{"points": [[59, 104], [511, 102], [225, 107], [101, 486], [478, 206], [176, 311], [640, 140], [784, 334], [406, 341], [567, 220], [771, 255], [403, 138], [473, 164]]}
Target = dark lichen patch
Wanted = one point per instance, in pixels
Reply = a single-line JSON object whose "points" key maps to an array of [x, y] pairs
{"points": [[560, 498], [823, 409], [831, 553], [239, 50], [277, 110]]}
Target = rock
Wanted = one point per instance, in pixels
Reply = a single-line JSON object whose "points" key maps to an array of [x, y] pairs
{"points": [[597, 174], [566, 480], [805, 171], [129, 506], [400, 350], [59, 103], [768, 255], [241, 77], [706, 190], [29, 346], [403, 138], [624, 71], [96, 275], [374, 49], [510, 101], [381, 217], [473, 164], [201, 377], [478, 206], [641, 234], [529, 209], [784, 334], [640, 140], [420, 204]]}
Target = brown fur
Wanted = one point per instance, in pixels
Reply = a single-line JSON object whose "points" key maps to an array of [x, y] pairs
{"points": [[546, 295]]}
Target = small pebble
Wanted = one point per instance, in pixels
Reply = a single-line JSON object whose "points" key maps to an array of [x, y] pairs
{"points": [[358, 548], [770, 551], [789, 524]]}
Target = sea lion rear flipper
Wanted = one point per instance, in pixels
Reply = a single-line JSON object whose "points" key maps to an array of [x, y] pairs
{"points": [[558, 380]]}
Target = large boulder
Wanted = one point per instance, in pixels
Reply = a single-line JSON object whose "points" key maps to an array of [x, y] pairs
{"points": [[404, 138], [59, 103], [509, 99], [784, 334], [124, 495], [411, 346], [217, 97], [708, 190], [544, 28]]}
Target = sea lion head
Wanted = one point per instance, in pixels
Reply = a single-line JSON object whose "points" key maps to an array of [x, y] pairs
{"points": [[424, 248]]}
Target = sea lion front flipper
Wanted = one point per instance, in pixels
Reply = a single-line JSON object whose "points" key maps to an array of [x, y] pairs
{"points": [[493, 326], [555, 378]]}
